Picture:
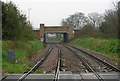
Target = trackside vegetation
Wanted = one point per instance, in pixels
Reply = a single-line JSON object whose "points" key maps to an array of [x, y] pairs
{"points": [[17, 34], [104, 46], [24, 50]]}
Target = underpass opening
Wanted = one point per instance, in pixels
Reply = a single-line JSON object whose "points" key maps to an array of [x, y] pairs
{"points": [[65, 37], [44, 37], [54, 37]]}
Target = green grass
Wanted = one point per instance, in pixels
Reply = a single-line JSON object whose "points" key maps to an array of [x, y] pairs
{"points": [[24, 50], [104, 46], [39, 70]]}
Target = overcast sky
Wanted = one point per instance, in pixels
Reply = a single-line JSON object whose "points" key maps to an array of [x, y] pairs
{"points": [[51, 12]]}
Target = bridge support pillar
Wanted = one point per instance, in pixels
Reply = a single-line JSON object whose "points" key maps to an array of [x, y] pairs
{"points": [[42, 32], [70, 31]]}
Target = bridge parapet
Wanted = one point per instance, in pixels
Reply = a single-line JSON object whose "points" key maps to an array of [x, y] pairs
{"points": [[54, 29]]}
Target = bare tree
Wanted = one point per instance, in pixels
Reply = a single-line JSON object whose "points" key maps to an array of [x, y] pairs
{"points": [[77, 19], [95, 18]]}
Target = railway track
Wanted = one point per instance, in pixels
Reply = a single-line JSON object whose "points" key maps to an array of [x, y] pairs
{"points": [[57, 72], [88, 67], [103, 62], [33, 69], [70, 62]]}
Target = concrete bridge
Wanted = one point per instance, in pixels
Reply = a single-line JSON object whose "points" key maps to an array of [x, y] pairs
{"points": [[66, 31]]}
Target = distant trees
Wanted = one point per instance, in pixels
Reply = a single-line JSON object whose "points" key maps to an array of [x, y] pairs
{"points": [[77, 19], [96, 25], [110, 26], [14, 24], [95, 19]]}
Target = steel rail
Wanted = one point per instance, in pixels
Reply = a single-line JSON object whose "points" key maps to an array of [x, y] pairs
{"points": [[86, 64], [33, 69], [104, 62], [57, 72]]}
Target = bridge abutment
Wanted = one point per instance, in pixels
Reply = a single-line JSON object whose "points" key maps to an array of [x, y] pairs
{"points": [[70, 31], [42, 32]]}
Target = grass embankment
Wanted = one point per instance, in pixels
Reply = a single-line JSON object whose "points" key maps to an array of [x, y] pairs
{"points": [[104, 46], [24, 50]]}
